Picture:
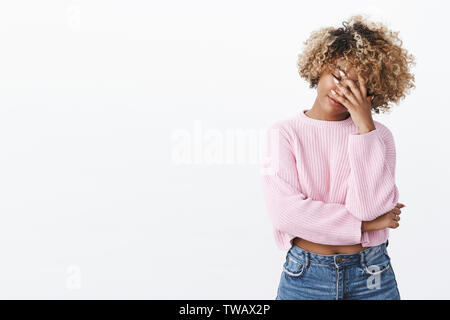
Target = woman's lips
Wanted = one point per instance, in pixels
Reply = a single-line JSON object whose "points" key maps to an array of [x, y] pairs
{"points": [[335, 103]]}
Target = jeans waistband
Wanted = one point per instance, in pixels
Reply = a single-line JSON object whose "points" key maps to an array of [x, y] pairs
{"points": [[340, 259]]}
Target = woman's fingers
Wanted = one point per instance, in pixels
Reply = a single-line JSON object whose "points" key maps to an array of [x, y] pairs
{"points": [[395, 216], [400, 205]]}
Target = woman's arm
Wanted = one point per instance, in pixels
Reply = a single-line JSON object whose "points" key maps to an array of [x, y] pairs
{"points": [[371, 186], [371, 189], [291, 211], [387, 220]]}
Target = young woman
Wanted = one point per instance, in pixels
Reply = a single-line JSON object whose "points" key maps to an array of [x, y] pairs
{"points": [[329, 176]]}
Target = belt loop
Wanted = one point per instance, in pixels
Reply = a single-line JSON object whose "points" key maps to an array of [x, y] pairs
{"points": [[306, 258], [362, 259], [385, 247]]}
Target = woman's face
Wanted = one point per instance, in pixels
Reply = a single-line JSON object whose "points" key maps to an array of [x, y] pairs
{"points": [[326, 84]]}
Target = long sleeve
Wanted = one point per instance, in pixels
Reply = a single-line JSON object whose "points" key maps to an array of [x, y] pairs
{"points": [[290, 211], [371, 188]]}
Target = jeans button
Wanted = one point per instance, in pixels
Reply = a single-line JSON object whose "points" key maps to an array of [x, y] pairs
{"points": [[338, 259]]}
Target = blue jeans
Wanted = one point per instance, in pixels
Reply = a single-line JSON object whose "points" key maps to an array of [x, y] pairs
{"points": [[365, 275]]}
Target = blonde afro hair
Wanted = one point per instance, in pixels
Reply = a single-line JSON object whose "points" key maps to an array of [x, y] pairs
{"points": [[371, 49]]}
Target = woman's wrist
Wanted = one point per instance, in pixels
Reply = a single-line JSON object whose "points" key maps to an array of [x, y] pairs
{"points": [[366, 226]]}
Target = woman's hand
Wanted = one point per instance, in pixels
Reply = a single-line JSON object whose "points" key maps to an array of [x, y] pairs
{"points": [[355, 99], [388, 220]]}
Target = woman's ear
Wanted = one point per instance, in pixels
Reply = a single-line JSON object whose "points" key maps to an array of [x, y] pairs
{"points": [[370, 99]]}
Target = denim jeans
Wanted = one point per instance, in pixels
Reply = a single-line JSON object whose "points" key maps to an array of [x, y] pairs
{"points": [[365, 275]]}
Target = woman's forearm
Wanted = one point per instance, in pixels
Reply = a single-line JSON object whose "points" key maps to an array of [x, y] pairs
{"points": [[366, 226]]}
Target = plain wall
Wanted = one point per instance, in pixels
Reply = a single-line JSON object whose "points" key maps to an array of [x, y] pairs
{"points": [[129, 136]]}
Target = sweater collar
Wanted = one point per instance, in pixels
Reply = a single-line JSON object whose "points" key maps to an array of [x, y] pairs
{"points": [[324, 123]]}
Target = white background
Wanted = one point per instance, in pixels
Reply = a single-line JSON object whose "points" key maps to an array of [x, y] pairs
{"points": [[93, 97]]}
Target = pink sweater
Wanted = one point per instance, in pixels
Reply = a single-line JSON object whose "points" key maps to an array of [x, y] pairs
{"points": [[321, 179]]}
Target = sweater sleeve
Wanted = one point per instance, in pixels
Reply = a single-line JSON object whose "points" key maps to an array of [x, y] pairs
{"points": [[291, 211], [371, 189]]}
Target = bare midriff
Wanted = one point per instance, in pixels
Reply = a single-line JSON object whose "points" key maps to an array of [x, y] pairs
{"points": [[327, 249]]}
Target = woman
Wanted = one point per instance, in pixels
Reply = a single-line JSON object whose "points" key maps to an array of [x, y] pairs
{"points": [[329, 179]]}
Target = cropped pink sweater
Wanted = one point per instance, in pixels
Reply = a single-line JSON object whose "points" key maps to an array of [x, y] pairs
{"points": [[321, 179]]}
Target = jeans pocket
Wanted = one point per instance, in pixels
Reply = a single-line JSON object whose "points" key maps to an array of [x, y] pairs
{"points": [[293, 267], [378, 266]]}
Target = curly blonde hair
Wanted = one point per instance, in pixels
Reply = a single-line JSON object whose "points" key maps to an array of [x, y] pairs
{"points": [[371, 49]]}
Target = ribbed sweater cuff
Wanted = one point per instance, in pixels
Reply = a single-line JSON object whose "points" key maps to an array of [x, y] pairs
{"points": [[356, 226], [365, 145]]}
